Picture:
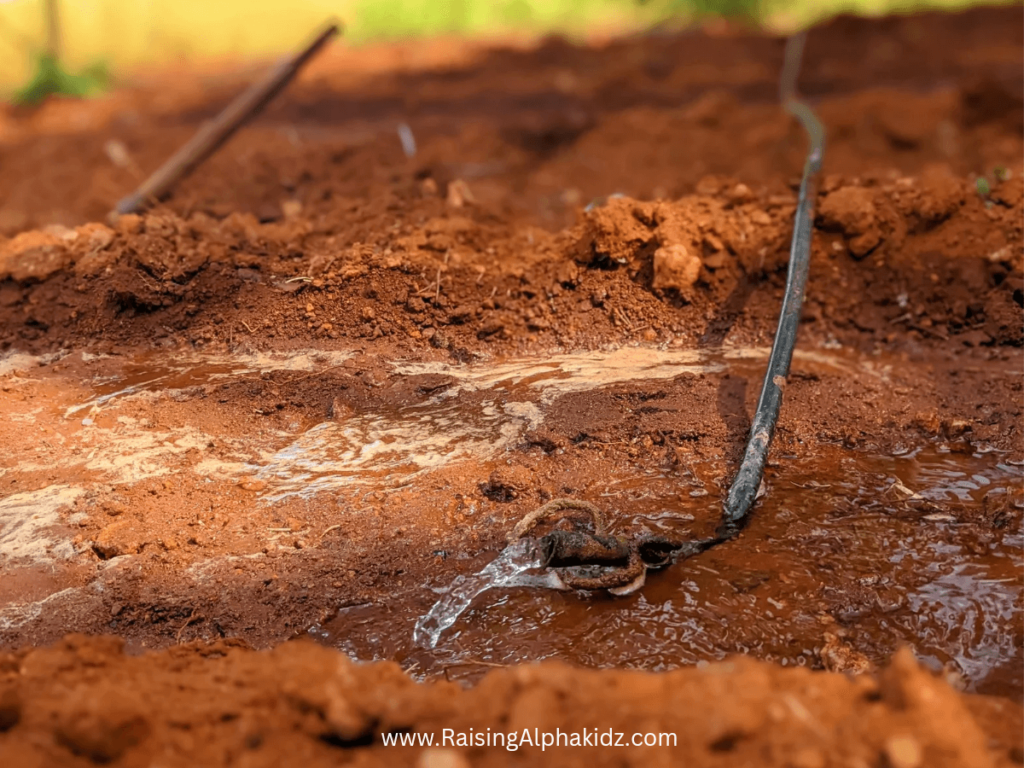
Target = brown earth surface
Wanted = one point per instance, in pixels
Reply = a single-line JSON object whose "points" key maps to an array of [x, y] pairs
{"points": [[325, 378]]}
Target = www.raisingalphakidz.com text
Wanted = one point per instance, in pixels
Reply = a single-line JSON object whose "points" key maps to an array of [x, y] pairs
{"points": [[533, 737]]}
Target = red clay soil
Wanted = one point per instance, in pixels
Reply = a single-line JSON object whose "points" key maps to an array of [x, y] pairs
{"points": [[83, 702], [311, 230]]}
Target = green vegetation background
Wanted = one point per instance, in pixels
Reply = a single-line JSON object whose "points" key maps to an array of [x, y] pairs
{"points": [[104, 36]]}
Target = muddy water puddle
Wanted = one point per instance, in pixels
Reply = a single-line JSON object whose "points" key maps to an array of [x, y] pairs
{"points": [[848, 556], [94, 420]]}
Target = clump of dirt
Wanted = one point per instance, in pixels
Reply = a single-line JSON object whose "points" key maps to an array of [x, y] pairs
{"points": [[83, 702]]}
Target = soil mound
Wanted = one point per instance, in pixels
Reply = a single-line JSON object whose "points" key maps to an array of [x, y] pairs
{"points": [[83, 702]]}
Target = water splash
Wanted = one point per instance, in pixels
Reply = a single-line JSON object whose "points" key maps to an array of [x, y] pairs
{"points": [[507, 570]]}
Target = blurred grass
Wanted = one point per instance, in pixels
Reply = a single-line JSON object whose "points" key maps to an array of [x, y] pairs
{"points": [[121, 35]]}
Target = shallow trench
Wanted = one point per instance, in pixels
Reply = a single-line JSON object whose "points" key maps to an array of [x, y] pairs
{"points": [[849, 554]]}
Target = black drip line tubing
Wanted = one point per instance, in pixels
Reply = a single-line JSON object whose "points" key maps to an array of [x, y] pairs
{"points": [[622, 564], [568, 549], [745, 486]]}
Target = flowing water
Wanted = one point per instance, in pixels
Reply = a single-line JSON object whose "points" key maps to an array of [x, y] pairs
{"points": [[482, 415], [505, 570], [843, 542], [867, 546]]}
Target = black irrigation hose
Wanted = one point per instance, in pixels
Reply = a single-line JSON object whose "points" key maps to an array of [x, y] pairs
{"points": [[744, 487], [574, 549]]}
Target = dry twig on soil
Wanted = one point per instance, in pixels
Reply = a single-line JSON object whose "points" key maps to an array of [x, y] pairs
{"points": [[214, 133]]}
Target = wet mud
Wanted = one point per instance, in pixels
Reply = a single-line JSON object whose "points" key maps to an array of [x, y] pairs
{"points": [[289, 407]]}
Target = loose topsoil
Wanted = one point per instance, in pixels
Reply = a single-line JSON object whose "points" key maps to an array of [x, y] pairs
{"points": [[567, 288]]}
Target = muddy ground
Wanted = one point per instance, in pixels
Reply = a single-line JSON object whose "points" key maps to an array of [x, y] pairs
{"points": [[325, 378]]}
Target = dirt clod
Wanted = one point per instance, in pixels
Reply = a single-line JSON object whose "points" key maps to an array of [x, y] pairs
{"points": [[676, 268], [851, 210]]}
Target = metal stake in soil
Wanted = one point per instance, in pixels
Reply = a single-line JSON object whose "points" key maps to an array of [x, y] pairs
{"points": [[214, 133]]}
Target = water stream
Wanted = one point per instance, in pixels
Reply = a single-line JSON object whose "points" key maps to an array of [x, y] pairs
{"points": [[868, 545], [506, 570], [834, 546], [480, 416]]}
